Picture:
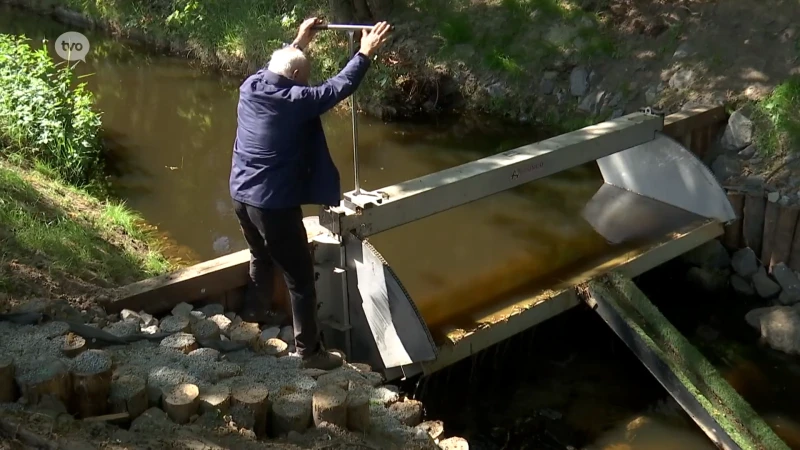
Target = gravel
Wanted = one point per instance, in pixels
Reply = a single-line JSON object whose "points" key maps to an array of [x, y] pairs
{"points": [[123, 387], [91, 362], [122, 329], [54, 329], [208, 354], [34, 371]]}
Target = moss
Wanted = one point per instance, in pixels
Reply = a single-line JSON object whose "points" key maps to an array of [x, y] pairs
{"points": [[697, 375]]}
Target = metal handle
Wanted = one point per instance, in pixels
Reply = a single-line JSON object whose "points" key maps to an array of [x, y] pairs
{"points": [[341, 27]]}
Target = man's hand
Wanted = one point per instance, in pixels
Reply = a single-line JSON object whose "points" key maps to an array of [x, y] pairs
{"points": [[371, 41], [306, 32]]}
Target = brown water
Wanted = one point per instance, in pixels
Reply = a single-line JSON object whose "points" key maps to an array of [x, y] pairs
{"points": [[170, 128]]}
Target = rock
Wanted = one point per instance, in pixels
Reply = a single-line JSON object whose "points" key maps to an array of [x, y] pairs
{"points": [[765, 287], [742, 286], [147, 319], [496, 90], [617, 113], [287, 334], [725, 167], [788, 282], [773, 197], [650, 95], [196, 316], [546, 86], [682, 79], [683, 51], [739, 131], [408, 412], [745, 263], [212, 309], [747, 152], [578, 81], [182, 310], [712, 254], [592, 103], [152, 329], [779, 327], [130, 316], [709, 279], [454, 443]]}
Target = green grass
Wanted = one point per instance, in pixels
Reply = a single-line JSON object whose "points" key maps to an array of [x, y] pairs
{"points": [[778, 119], [59, 232]]}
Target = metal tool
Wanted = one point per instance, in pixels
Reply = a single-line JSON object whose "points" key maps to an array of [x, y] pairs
{"points": [[351, 30]]}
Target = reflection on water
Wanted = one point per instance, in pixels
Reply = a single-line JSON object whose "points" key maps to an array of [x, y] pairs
{"points": [[648, 433]]}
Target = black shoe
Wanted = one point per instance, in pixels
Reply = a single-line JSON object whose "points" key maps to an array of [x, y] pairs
{"points": [[266, 318]]}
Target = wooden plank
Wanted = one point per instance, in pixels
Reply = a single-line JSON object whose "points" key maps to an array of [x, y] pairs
{"points": [[683, 123], [210, 278], [784, 234], [753, 221], [794, 257], [733, 231], [770, 222]]}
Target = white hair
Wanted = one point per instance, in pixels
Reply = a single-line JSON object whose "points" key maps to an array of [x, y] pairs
{"points": [[286, 60]]}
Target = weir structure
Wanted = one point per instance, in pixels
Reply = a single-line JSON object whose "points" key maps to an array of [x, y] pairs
{"points": [[658, 201]]}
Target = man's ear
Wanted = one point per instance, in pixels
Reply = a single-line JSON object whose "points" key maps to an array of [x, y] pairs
{"points": [[295, 72]]}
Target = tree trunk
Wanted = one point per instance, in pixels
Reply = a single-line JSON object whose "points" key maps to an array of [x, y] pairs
{"points": [[360, 11]]}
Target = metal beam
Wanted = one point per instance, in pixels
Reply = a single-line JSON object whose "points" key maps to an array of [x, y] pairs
{"points": [[373, 212]]}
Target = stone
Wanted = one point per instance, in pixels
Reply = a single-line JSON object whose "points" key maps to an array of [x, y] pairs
{"points": [[683, 51], [745, 263], [651, 95], [130, 316], [739, 131], [765, 287], [712, 254], [742, 286], [615, 100], [212, 309], [748, 152], [617, 113], [152, 329], [578, 81], [182, 309], [709, 279], [788, 282], [408, 412], [546, 86], [592, 103], [773, 197], [725, 167], [682, 79], [147, 319], [779, 327]]}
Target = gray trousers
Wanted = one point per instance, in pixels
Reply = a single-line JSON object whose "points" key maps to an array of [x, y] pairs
{"points": [[278, 237]]}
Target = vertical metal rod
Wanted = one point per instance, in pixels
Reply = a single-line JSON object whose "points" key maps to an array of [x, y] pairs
{"points": [[351, 33]]}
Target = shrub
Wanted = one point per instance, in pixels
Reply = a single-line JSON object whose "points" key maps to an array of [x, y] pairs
{"points": [[778, 119], [45, 115]]}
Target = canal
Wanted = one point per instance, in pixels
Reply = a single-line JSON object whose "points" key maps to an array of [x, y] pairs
{"points": [[169, 127]]}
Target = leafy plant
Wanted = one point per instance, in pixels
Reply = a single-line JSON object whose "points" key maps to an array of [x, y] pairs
{"points": [[778, 118], [46, 116]]}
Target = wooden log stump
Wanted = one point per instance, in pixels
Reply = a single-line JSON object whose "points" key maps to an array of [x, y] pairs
{"points": [[794, 254], [43, 377], [291, 412], [358, 415], [8, 390], [454, 443], [753, 221], [434, 428], [183, 342], [329, 404], [175, 324], [733, 231], [205, 330], [784, 235], [215, 398], [274, 347], [128, 394], [72, 345], [181, 402], [91, 382], [253, 398], [247, 333], [770, 223]]}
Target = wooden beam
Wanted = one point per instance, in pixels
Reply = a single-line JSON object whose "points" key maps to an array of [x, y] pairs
{"points": [[210, 278], [683, 123]]}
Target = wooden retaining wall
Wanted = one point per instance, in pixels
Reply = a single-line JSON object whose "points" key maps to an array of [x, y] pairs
{"points": [[223, 280]]}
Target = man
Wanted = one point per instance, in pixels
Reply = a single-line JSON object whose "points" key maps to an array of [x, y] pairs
{"points": [[280, 162]]}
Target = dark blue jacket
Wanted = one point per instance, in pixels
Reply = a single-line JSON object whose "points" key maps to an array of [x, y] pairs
{"points": [[280, 155]]}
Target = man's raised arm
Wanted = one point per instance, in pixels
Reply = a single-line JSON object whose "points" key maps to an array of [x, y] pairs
{"points": [[319, 99]]}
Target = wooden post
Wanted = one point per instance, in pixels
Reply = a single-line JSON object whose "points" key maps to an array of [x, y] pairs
{"points": [[770, 223], [784, 235], [330, 405], [91, 381], [358, 415], [252, 399], [794, 256], [46, 376], [215, 398], [753, 221], [8, 390], [291, 412], [72, 345], [181, 402], [733, 231], [128, 394]]}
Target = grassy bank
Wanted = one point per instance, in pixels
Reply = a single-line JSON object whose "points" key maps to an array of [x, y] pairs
{"points": [[60, 235]]}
